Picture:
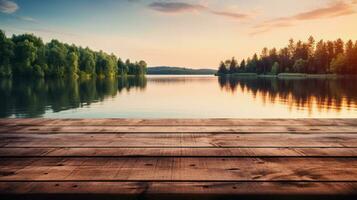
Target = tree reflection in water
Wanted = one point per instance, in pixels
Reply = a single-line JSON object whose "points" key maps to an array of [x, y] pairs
{"points": [[31, 98], [325, 94]]}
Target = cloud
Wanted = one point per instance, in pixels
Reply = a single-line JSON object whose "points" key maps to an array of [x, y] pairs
{"points": [[8, 7], [178, 7], [231, 14], [336, 9], [175, 7], [27, 19]]}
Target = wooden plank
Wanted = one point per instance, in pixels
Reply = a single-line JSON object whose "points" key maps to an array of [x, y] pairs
{"points": [[188, 188], [179, 122], [148, 158], [177, 129], [179, 169], [176, 152], [179, 140]]}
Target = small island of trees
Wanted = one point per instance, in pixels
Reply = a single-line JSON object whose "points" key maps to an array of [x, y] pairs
{"points": [[28, 56], [330, 57]]}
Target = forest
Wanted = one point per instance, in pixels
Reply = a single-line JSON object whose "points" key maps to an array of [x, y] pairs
{"points": [[311, 57], [28, 56]]}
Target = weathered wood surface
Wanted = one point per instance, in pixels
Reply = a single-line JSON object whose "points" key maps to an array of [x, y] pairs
{"points": [[176, 129], [178, 159], [179, 122], [193, 140], [176, 152]]}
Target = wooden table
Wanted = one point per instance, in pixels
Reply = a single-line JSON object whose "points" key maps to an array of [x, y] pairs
{"points": [[178, 159]]}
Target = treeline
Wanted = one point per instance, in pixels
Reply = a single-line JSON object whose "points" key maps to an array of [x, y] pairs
{"points": [[335, 57], [27, 55]]}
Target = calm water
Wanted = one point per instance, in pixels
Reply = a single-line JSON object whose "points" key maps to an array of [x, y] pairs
{"points": [[179, 97]]}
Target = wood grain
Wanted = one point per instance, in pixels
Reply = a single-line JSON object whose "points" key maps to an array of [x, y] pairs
{"points": [[178, 129], [180, 169], [177, 152], [212, 188], [193, 140], [178, 158]]}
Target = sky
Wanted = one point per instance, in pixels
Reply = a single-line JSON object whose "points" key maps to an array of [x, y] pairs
{"points": [[184, 33]]}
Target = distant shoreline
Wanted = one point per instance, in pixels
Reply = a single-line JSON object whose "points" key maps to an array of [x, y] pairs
{"points": [[166, 70]]}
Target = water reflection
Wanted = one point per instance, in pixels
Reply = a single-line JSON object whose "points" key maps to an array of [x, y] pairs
{"points": [[325, 94], [32, 98], [179, 97], [179, 79]]}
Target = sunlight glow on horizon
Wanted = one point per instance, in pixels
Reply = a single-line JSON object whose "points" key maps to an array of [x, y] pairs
{"points": [[184, 33]]}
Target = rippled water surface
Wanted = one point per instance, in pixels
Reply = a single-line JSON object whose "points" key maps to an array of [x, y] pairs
{"points": [[180, 97]]}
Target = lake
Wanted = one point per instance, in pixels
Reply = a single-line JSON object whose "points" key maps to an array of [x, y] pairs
{"points": [[179, 97]]}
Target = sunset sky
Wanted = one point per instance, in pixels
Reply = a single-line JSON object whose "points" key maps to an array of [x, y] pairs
{"points": [[186, 33]]}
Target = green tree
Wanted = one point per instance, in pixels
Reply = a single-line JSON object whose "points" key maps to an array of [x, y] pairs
{"points": [[354, 59], [252, 65], [72, 64], [86, 62], [303, 57], [105, 65], [275, 68], [242, 66], [6, 55], [25, 55], [338, 64], [222, 68], [300, 65], [284, 59], [29, 51], [349, 57], [330, 51], [56, 59], [233, 66], [265, 61], [321, 59], [143, 67], [122, 68], [339, 47]]}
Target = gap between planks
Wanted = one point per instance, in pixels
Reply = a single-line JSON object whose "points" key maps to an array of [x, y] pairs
{"points": [[302, 188], [177, 129], [182, 152]]}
